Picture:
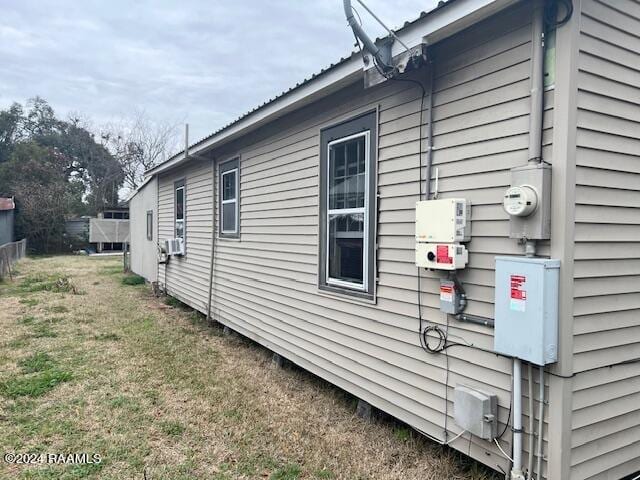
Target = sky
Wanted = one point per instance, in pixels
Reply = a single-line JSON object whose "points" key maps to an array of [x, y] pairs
{"points": [[198, 61]]}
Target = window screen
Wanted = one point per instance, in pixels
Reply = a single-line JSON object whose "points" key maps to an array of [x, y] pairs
{"points": [[347, 207], [229, 198], [150, 225], [180, 210]]}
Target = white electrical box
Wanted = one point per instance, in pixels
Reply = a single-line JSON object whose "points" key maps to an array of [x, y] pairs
{"points": [[526, 303], [443, 221], [441, 256], [476, 411]]}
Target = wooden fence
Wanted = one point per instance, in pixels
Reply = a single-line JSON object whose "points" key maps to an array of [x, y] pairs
{"points": [[10, 253]]}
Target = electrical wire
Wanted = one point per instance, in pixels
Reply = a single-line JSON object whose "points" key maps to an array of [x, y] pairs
{"points": [[495, 440], [456, 437]]}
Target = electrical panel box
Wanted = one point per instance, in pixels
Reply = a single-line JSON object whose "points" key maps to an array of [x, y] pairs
{"points": [[476, 411], [449, 297], [441, 256], [528, 202], [443, 221], [526, 303]]}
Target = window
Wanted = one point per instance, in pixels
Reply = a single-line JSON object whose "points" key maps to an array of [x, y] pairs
{"points": [[347, 207], [229, 198], [180, 209], [150, 225]]}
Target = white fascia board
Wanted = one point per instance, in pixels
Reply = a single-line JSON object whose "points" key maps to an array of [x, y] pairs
{"points": [[442, 23]]}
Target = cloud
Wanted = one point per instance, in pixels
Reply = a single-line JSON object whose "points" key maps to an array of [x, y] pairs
{"points": [[195, 60]]}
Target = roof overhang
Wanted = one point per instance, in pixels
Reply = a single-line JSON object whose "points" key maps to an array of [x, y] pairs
{"points": [[438, 24]]}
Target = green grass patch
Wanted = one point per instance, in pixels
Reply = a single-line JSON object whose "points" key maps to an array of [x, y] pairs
{"points": [[132, 280], [402, 433], [43, 330], [111, 270], [38, 362], [171, 428], [29, 302], [34, 385], [19, 342], [291, 471], [47, 283], [172, 302], [26, 320]]}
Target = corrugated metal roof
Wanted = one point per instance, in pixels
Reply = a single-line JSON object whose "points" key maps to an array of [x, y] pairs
{"points": [[7, 204], [322, 72]]}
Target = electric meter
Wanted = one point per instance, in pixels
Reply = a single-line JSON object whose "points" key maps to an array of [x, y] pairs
{"points": [[520, 201]]}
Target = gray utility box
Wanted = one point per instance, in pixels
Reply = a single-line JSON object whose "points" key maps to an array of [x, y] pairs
{"points": [[537, 225], [449, 297], [476, 412], [526, 317]]}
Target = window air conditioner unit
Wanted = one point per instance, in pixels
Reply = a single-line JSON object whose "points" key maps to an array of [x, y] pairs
{"points": [[174, 246]]}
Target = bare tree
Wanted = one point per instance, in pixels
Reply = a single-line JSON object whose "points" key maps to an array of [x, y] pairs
{"points": [[139, 143]]}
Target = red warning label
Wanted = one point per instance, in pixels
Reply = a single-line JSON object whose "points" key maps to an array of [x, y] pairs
{"points": [[517, 287], [518, 293], [442, 254], [446, 293]]}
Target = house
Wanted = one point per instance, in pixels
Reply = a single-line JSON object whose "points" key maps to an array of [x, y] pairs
{"points": [[7, 221], [109, 231], [297, 224], [143, 247]]}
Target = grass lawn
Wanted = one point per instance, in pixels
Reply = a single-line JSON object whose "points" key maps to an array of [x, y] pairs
{"points": [[91, 362]]}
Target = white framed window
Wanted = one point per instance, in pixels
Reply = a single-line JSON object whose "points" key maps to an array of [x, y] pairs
{"points": [[180, 212], [230, 198], [348, 207]]}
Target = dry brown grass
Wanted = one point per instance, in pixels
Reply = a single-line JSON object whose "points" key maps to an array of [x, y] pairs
{"points": [[152, 389]]}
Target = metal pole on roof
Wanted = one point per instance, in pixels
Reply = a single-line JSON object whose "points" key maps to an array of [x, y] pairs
{"points": [[186, 140]]}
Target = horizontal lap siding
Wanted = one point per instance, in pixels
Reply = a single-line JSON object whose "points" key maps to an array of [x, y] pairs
{"points": [[606, 403], [187, 278], [265, 285]]}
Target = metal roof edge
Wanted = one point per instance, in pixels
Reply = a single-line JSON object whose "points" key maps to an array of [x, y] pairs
{"points": [[448, 18]]}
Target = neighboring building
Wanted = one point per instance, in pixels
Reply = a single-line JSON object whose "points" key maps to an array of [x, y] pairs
{"points": [[7, 220], [307, 205], [143, 208], [110, 230], [76, 231]]}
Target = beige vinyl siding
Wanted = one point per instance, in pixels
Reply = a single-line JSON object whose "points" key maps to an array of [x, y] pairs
{"points": [[606, 403], [265, 284], [187, 278]]}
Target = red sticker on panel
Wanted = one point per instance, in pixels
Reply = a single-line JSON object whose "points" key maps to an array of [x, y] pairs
{"points": [[518, 293], [442, 254]]}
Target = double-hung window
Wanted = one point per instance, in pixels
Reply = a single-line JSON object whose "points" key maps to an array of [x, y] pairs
{"points": [[229, 182], [180, 212], [347, 207]]}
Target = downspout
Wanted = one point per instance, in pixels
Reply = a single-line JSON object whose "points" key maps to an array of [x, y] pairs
{"points": [[213, 238]]}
